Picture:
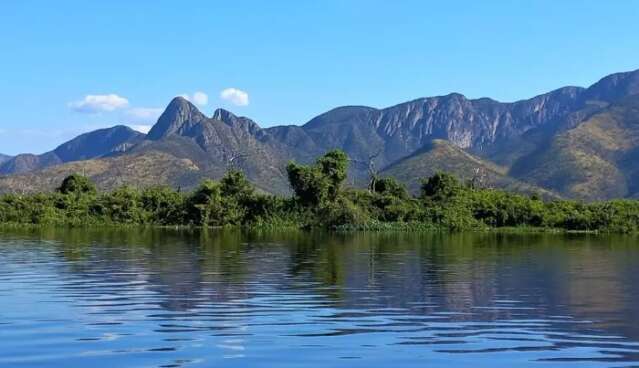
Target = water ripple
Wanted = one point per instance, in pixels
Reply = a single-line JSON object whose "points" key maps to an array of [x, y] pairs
{"points": [[256, 302]]}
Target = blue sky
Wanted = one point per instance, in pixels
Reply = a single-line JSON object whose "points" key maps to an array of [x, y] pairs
{"points": [[72, 66]]}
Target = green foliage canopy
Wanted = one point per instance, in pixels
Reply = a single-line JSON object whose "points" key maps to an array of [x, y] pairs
{"points": [[77, 184], [320, 200]]}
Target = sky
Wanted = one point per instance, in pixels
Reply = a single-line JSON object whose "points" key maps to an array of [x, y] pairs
{"points": [[68, 67]]}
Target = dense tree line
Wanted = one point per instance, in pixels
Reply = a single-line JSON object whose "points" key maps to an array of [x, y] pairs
{"points": [[320, 199]]}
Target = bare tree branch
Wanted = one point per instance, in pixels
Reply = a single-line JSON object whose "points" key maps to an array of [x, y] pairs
{"points": [[373, 172], [479, 178]]}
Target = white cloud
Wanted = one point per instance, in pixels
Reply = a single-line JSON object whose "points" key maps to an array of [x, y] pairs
{"points": [[143, 118], [98, 103], [141, 128], [235, 96], [199, 98], [144, 114]]}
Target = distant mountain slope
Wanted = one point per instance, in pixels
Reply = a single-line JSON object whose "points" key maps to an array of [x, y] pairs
{"points": [[610, 89], [218, 143], [400, 130], [94, 144], [138, 170], [213, 145], [99, 143], [575, 141], [597, 159], [491, 129], [4, 158], [28, 162], [443, 156]]}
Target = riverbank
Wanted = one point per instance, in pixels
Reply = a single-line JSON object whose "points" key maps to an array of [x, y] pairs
{"points": [[374, 227], [320, 200]]}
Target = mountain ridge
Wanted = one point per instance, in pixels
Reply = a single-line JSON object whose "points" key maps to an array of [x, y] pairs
{"points": [[509, 135], [97, 143], [443, 156], [4, 158]]}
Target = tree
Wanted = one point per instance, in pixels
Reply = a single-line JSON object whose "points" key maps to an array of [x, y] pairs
{"points": [[77, 184], [441, 186], [203, 202], [123, 205], [390, 186], [479, 178], [163, 205], [334, 165], [309, 186], [373, 172], [321, 182], [238, 198], [235, 184]]}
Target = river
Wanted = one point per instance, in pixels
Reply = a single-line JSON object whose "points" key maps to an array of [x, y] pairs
{"points": [[167, 298]]}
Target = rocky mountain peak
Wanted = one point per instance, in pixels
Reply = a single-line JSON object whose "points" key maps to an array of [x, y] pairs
{"points": [[235, 121], [178, 113], [224, 115], [534, 141], [614, 87], [454, 96]]}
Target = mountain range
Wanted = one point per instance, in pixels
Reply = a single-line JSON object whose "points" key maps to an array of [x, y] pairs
{"points": [[4, 158], [572, 142]]}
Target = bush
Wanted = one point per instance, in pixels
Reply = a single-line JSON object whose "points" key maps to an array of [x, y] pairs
{"points": [[391, 187], [441, 187], [319, 200], [320, 183], [77, 184]]}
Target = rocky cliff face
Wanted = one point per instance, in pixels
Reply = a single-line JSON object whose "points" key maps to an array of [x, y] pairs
{"points": [[219, 143], [520, 137], [179, 117], [238, 122], [596, 159], [469, 124], [494, 130], [613, 87]]}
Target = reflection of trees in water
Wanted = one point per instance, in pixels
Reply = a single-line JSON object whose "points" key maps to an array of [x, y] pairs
{"points": [[585, 277], [601, 280], [544, 275]]}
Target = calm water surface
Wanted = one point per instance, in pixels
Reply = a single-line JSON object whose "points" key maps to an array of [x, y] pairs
{"points": [[157, 298]]}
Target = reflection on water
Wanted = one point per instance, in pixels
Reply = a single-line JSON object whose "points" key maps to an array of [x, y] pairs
{"points": [[159, 298]]}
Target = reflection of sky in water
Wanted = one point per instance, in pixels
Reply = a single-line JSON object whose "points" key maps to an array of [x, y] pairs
{"points": [[158, 298]]}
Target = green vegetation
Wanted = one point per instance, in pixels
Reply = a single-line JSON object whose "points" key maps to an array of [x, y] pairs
{"points": [[443, 156], [597, 159], [320, 199]]}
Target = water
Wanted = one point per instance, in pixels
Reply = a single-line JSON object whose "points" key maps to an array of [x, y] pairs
{"points": [[158, 298]]}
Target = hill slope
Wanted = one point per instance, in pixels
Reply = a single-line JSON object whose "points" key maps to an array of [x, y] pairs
{"points": [[218, 143], [94, 144], [579, 142], [597, 159], [443, 156], [496, 131], [139, 170]]}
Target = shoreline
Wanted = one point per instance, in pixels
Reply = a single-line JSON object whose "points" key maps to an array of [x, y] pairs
{"points": [[343, 229]]}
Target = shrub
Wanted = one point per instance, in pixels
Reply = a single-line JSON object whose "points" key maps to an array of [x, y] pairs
{"points": [[77, 184]]}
